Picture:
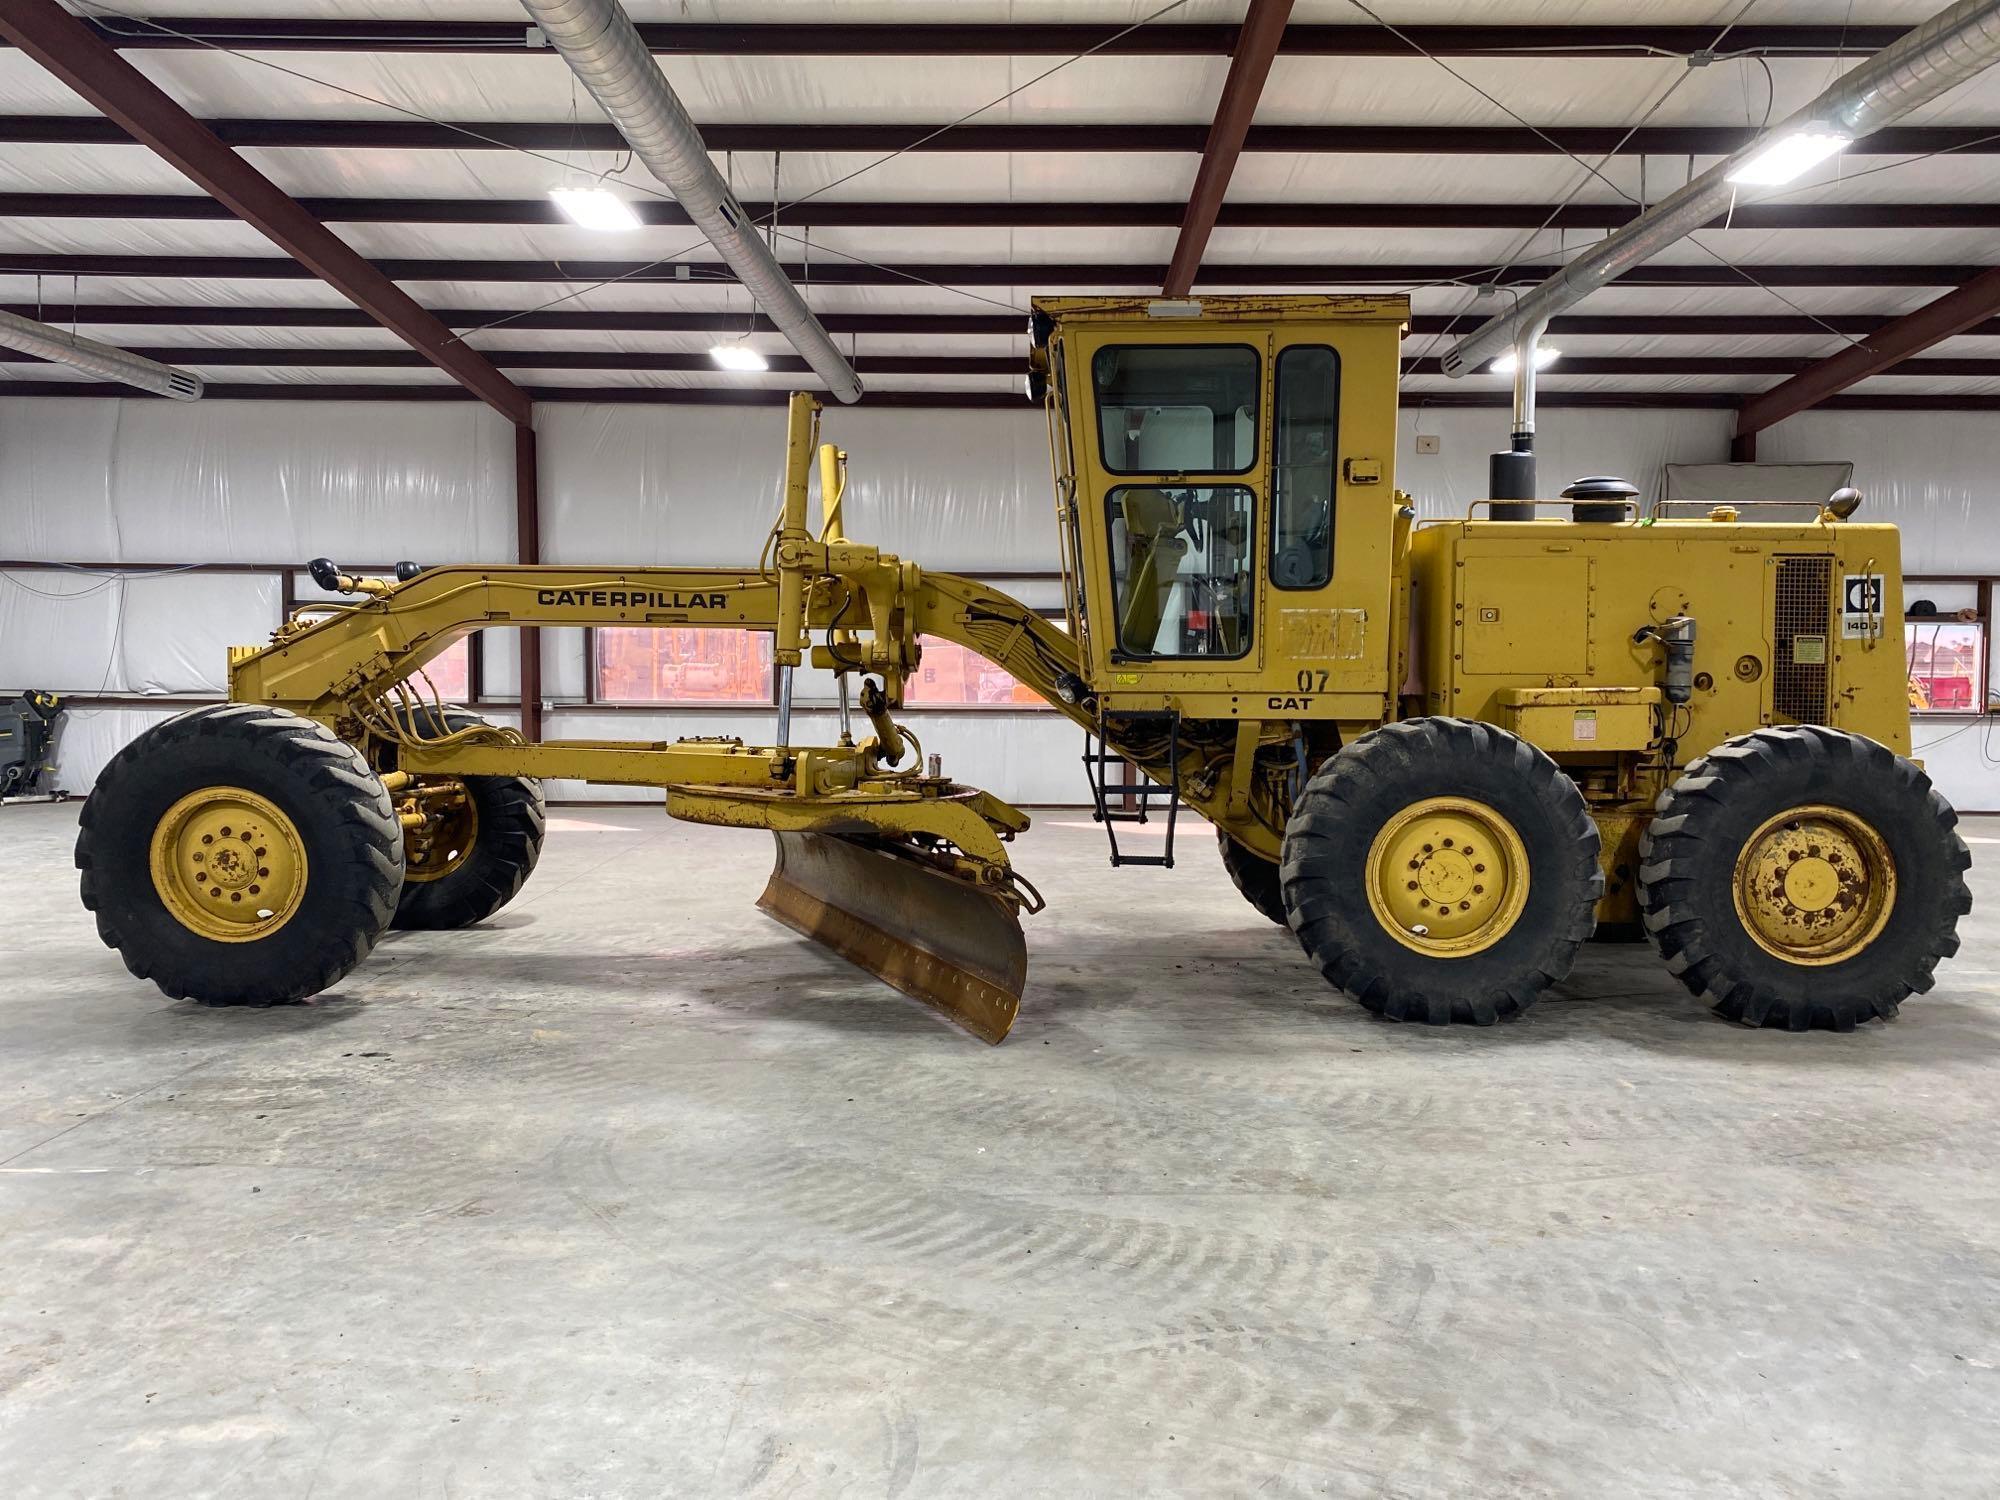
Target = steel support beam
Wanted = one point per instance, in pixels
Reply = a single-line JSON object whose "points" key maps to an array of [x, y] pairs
{"points": [[1887, 348], [951, 39], [1050, 276], [1389, 140], [138, 109], [968, 400], [1249, 66], [834, 213], [528, 549], [933, 325], [215, 356]]}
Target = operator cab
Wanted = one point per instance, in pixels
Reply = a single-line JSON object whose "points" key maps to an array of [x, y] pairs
{"points": [[1223, 472]]}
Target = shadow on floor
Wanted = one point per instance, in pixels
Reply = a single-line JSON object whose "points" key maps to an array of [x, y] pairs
{"points": [[1234, 989]]}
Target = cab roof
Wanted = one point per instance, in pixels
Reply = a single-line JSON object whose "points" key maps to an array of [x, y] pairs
{"points": [[1270, 308]]}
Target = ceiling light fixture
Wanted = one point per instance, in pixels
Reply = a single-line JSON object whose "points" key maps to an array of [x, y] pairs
{"points": [[738, 356], [1791, 155], [595, 208], [1545, 355]]}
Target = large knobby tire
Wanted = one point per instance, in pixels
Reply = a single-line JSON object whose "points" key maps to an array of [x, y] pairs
{"points": [[1387, 824], [1803, 877], [1254, 876], [501, 826], [240, 855]]}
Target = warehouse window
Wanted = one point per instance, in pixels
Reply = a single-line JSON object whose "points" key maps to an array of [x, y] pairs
{"points": [[1947, 664], [450, 672], [951, 673], [639, 665], [1180, 568], [1308, 410], [1177, 408]]}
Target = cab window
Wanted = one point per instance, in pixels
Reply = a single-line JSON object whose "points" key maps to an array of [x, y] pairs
{"points": [[1177, 408], [1307, 401], [1181, 571]]}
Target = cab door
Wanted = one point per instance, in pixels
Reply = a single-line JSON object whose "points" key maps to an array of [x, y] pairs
{"points": [[1171, 451]]}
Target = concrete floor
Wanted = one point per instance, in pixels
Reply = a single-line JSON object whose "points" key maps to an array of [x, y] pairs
{"points": [[632, 1193]]}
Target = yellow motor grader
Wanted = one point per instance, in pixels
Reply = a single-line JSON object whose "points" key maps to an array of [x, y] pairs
{"points": [[1441, 753]]}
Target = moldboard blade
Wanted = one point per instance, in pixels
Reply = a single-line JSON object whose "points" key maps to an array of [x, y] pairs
{"points": [[936, 939]]}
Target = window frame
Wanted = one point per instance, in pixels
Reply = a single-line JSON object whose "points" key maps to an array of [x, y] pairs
{"points": [[1256, 411], [594, 698], [1278, 464], [1119, 650], [1983, 686]]}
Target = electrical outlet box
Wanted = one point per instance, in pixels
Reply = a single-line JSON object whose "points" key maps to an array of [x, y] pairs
{"points": [[1427, 442]]}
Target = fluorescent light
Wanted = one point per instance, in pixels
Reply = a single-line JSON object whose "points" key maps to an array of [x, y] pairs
{"points": [[1545, 355], [738, 357], [1791, 154], [596, 208]]}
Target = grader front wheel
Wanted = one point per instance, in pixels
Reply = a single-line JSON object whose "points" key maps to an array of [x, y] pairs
{"points": [[1803, 877], [1477, 872], [239, 856]]}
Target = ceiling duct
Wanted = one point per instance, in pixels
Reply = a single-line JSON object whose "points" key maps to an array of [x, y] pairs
{"points": [[107, 361], [604, 50], [1943, 52]]}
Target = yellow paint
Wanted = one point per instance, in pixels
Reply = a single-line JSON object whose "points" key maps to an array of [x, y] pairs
{"points": [[1528, 625], [1814, 885], [227, 864], [1447, 876]]}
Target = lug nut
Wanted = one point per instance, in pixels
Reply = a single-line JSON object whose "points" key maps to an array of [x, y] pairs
{"points": [[208, 838], [1477, 869], [1412, 885], [1465, 906], [1447, 843]]}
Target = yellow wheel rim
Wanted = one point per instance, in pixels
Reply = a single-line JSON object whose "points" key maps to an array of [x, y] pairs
{"points": [[228, 865], [1814, 885], [444, 843], [1447, 876]]}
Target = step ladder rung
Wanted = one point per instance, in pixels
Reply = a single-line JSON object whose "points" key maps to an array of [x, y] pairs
{"points": [[1141, 795]]}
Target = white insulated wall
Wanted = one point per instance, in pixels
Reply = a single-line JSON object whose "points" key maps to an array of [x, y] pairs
{"points": [[222, 481]]}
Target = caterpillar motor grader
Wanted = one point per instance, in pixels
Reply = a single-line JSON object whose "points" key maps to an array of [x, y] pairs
{"points": [[1441, 753]]}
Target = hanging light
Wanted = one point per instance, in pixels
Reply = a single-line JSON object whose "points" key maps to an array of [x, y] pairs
{"points": [[1545, 355], [1790, 155], [738, 356], [595, 208]]}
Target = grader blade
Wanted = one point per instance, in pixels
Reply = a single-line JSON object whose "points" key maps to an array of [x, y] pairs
{"points": [[935, 938]]}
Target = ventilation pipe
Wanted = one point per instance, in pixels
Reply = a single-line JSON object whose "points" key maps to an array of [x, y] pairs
{"points": [[1952, 46], [603, 48], [106, 361]]}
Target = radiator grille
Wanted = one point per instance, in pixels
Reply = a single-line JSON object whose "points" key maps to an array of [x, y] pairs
{"points": [[1802, 612]]}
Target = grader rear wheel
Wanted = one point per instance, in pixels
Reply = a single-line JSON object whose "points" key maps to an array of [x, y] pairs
{"points": [[239, 855], [1803, 877], [480, 841], [1477, 872], [1254, 877]]}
